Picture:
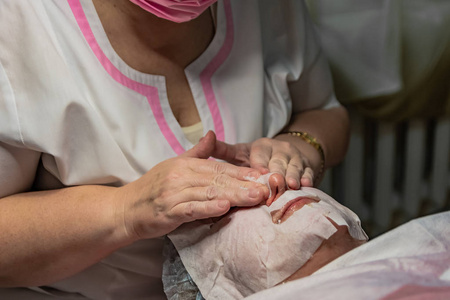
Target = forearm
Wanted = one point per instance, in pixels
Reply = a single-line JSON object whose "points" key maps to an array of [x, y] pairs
{"points": [[329, 127], [49, 235]]}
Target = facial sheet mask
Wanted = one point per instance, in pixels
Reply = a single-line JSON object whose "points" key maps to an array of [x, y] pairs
{"points": [[245, 252]]}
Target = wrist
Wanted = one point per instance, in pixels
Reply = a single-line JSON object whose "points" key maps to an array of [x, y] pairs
{"points": [[124, 230]]}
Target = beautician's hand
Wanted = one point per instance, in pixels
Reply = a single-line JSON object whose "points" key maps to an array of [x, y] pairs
{"points": [[277, 187], [186, 188], [270, 155]]}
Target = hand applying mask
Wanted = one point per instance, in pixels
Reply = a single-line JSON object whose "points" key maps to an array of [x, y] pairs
{"points": [[251, 249]]}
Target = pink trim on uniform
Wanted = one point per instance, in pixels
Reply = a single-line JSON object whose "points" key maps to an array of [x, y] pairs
{"points": [[150, 92], [419, 292], [211, 68]]}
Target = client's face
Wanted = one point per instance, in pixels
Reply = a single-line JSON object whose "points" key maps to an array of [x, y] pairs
{"points": [[340, 242], [296, 231], [252, 249]]}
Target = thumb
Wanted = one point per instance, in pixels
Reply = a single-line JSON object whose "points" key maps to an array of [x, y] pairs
{"points": [[277, 185], [204, 148]]}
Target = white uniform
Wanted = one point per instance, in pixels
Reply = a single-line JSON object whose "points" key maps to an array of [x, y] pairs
{"points": [[68, 100]]}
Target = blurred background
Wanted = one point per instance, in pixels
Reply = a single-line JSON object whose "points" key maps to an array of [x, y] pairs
{"points": [[390, 61]]}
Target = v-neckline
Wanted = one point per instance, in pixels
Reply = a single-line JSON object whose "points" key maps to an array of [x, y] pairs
{"points": [[153, 87], [130, 72]]}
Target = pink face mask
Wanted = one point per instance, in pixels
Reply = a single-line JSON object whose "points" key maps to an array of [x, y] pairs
{"points": [[175, 10]]}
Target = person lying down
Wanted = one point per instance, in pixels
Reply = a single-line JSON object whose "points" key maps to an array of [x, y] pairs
{"points": [[252, 249]]}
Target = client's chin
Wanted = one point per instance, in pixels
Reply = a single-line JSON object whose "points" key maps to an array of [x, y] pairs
{"points": [[338, 244]]}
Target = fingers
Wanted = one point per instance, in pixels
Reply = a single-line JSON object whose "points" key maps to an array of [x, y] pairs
{"points": [[282, 158], [294, 171], [225, 151], [260, 156], [204, 148], [247, 195], [209, 146], [194, 210], [214, 200], [213, 180], [277, 188], [237, 154], [289, 165], [308, 178], [207, 180], [214, 168]]}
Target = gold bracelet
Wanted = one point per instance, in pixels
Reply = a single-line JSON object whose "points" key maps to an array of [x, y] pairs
{"points": [[313, 142]]}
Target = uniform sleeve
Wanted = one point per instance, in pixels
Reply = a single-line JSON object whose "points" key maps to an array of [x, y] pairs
{"points": [[313, 88], [296, 67], [17, 163], [17, 169]]}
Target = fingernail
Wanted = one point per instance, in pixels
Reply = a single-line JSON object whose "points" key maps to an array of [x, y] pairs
{"points": [[307, 182], [294, 183]]}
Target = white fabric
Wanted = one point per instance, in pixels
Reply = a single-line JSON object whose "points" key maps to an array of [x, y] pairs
{"points": [[59, 104], [409, 262], [394, 42], [245, 252]]}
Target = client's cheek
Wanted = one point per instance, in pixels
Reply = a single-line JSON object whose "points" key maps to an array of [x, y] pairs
{"points": [[282, 214], [335, 246]]}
